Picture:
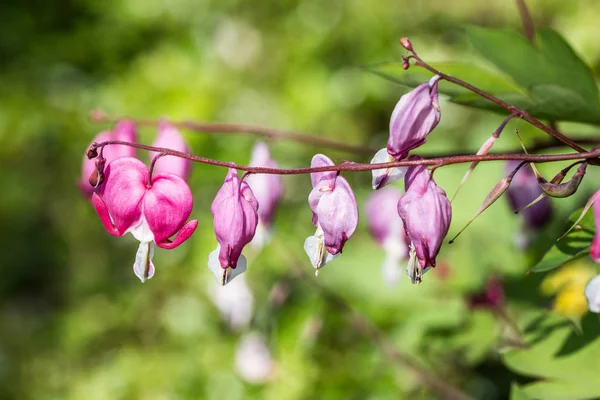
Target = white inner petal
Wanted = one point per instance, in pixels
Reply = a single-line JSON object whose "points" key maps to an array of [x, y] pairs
{"points": [[413, 270], [224, 276], [382, 177], [314, 246], [141, 230], [143, 266]]}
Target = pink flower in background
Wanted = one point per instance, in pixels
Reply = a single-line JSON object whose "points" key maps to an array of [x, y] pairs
{"points": [[426, 213], [126, 131], [268, 191], [169, 137], [335, 213], [388, 230], [152, 211], [523, 189], [235, 218]]}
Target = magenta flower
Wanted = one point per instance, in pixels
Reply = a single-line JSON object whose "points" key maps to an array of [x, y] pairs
{"points": [[416, 114], [268, 190], [153, 211], [523, 189], [169, 137], [126, 131], [388, 230], [235, 218], [335, 213], [426, 213], [492, 297]]}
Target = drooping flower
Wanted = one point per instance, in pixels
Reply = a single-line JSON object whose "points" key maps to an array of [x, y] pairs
{"points": [[416, 114], [152, 210], [592, 294], [268, 190], [388, 230], [169, 137], [523, 189], [426, 213], [125, 131], [235, 218], [335, 213]]}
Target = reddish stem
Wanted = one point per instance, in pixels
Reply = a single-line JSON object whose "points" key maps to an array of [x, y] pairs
{"points": [[350, 166]]}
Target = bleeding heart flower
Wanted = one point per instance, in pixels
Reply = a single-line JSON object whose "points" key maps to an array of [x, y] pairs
{"points": [[268, 190], [169, 137], [388, 230], [335, 213], [235, 218], [152, 210], [426, 213]]}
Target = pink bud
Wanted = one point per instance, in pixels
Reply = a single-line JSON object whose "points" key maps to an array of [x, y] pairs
{"points": [[406, 44], [152, 211], [169, 137], [125, 131], [523, 189], [267, 188], [416, 114], [426, 213], [235, 218]]}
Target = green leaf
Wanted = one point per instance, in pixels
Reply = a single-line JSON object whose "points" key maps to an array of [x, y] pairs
{"points": [[564, 363], [517, 393], [561, 85], [575, 244]]}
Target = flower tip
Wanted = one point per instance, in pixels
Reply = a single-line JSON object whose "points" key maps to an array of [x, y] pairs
{"points": [[406, 43]]}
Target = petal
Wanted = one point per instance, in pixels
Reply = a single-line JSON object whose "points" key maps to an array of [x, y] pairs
{"points": [[102, 211], [169, 137], [382, 177], [267, 188], [225, 275], [321, 160], [124, 189], [391, 271], [167, 205], [143, 267], [183, 235], [338, 215], [382, 216], [592, 293], [314, 246]]}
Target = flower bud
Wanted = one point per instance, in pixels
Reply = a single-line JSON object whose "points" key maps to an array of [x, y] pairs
{"points": [[169, 137], [592, 293], [406, 44], [416, 114], [125, 131], [523, 190], [235, 218], [268, 190], [426, 213]]}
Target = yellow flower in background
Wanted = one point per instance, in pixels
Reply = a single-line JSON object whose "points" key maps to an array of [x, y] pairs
{"points": [[567, 284]]}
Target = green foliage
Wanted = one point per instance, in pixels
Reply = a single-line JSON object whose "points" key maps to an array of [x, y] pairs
{"points": [[563, 362], [547, 79], [573, 245]]}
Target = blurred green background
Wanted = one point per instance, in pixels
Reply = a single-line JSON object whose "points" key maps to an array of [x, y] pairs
{"points": [[75, 323]]}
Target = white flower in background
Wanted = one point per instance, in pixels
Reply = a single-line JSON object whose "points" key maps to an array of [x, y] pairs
{"points": [[253, 361], [234, 301]]}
